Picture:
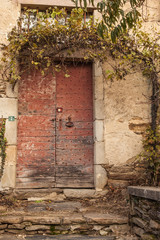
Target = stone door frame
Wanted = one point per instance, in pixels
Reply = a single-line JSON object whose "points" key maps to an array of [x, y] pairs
{"points": [[10, 108]]}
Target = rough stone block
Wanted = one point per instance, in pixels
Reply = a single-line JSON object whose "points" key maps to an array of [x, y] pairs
{"points": [[78, 227], [62, 227], [99, 153], [139, 222], [79, 193], [11, 219], [3, 226], [52, 196], [122, 175], [42, 219], [98, 88], [10, 92], [74, 218], [97, 227], [99, 109], [100, 193], [9, 176], [103, 233], [11, 155], [138, 125], [15, 231], [100, 177], [17, 226], [146, 236], [118, 183], [145, 192], [99, 130], [117, 229], [105, 219], [3, 209], [97, 69], [8, 107], [37, 227], [138, 231], [154, 225], [11, 132]]}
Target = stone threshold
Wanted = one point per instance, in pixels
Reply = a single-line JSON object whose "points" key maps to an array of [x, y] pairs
{"points": [[44, 194], [152, 193]]}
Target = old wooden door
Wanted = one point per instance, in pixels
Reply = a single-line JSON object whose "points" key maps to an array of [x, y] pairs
{"points": [[55, 130]]}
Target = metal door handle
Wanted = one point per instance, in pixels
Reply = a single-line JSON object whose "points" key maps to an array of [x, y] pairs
{"points": [[69, 123]]}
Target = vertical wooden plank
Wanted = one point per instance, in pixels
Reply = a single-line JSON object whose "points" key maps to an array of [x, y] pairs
{"points": [[74, 145]]}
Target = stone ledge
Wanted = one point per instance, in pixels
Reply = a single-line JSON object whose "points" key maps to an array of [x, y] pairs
{"points": [[145, 192]]}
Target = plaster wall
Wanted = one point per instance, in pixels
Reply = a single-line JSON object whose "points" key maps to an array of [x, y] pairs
{"points": [[127, 114], [9, 12], [121, 108]]}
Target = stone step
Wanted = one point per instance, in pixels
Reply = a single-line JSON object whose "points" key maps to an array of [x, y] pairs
{"points": [[59, 237], [62, 223], [61, 218], [73, 211]]}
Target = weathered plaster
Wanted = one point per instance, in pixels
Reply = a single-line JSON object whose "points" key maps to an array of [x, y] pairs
{"points": [[8, 107], [9, 12], [121, 144], [126, 102], [151, 10]]}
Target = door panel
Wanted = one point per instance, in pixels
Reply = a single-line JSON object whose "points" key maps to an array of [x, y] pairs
{"points": [[52, 152], [74, 144], [36, 131]]}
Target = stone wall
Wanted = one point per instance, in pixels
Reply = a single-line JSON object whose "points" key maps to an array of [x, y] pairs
{"points": [[55, 225], [145, 212], [127, 115]]}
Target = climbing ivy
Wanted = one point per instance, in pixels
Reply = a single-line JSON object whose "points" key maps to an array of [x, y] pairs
{"points": [[46, 44], [3, 143], [151, 154]]}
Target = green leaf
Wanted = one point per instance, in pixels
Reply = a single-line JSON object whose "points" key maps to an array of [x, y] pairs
{"points": [[67, 75], [113, 36]]}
